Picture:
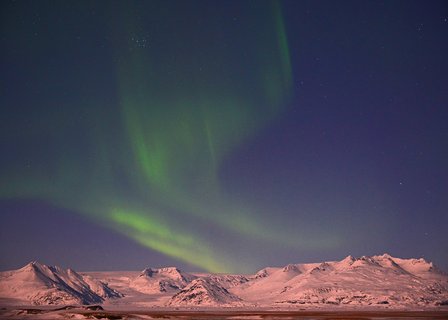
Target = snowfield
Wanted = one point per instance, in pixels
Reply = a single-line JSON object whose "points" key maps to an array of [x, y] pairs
{"points": [[377, 282]]}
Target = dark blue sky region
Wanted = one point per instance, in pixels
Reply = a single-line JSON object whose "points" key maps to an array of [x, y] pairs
{"points": [[222, 135]]}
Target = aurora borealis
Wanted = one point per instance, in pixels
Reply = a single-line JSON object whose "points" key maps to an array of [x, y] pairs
{"points": [[224, 136]]}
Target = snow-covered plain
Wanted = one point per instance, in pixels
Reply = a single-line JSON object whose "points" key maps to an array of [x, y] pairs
{"points": [[366, 283]]}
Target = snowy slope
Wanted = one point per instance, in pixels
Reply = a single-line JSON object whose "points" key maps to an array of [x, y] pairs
{"points": [[41, 285]]}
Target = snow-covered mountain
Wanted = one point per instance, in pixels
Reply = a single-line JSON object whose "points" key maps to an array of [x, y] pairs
{"points": [[365, 281], [204, 292], [152, 281], [40, 284], [377, 281]]}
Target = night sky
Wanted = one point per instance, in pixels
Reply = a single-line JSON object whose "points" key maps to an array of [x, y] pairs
{"points": [[222, 135]]}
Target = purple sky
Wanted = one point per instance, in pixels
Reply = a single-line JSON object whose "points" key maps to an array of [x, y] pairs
{"points": [[352, 161]]}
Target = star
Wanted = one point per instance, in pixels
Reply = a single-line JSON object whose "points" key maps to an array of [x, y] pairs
{"points": [[140, 42]]}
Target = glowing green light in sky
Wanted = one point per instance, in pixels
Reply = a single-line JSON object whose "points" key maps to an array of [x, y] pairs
{"points": [[153, 174], [155, 234]]}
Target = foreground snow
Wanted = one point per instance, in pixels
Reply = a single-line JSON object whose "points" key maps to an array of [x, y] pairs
{"points": [[96, 312], [377, 282]]}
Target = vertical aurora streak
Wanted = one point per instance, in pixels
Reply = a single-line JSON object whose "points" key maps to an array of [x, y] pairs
{"points": [[179, 139]]}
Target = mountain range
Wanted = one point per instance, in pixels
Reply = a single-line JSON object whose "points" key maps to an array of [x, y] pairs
{"points": [[377, 281]]}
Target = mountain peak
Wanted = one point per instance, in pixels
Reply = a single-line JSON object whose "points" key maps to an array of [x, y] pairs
{"points": [[347, 261], [33, 265], [147, 272], [167, 271], [290, 267], [386, 256], [172, 271]]}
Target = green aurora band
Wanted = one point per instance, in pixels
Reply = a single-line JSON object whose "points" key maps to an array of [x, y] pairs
{"points": [[156, 178]]}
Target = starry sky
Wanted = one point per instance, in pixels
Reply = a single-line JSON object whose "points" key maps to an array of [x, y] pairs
{"points": [[222, 136]]}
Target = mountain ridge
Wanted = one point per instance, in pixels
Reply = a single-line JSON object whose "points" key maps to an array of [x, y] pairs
{"points": [[378, 281]]}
